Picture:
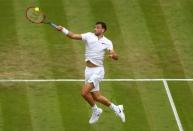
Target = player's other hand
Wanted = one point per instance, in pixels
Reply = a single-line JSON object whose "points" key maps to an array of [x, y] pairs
{"points": [[59, 28], [113, 56]]}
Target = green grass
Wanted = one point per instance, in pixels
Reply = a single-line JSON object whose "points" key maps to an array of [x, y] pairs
{"points": [[152, 37], [58, 106]]}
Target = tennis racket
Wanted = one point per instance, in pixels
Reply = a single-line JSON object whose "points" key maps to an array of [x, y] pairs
{"points": [[36, 16]]}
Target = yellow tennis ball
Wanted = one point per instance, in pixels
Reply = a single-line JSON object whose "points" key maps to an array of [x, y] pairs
{"points": [[37, 9]]}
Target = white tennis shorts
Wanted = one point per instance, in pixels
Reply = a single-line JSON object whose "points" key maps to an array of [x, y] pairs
{"points": [[94, 75]]}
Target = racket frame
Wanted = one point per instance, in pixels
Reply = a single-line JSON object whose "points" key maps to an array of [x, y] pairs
{"points": [[26, 14]]}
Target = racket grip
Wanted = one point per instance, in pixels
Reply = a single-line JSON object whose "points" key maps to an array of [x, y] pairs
{"points": [[53, 25]]}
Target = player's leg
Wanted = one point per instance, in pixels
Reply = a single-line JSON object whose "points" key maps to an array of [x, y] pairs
{"points": [[103, 100], [100, 98], [88, 97], [86, 94], [95, 79]]}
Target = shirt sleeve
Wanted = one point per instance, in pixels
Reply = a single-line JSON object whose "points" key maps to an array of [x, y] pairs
{"points": [[110, 45], [85, 36]]}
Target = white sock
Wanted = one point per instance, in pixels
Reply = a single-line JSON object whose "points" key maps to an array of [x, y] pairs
{"points": [[113, 107], [94, 107]]}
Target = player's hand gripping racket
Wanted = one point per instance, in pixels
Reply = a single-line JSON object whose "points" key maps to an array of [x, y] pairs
{"points": [[35, 15]]}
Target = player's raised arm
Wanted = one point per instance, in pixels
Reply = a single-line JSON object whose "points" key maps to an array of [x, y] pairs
{"points": [[113, 55], [69, 33]]}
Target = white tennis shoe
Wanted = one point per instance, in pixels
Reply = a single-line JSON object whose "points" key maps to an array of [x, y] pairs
{"points": [[95, 115], [119, 112]]}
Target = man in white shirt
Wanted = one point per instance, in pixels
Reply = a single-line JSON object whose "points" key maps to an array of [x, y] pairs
{"points": [[96, 46]]}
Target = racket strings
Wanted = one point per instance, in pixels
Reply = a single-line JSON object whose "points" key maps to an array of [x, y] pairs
{"points": [[35, 16]]}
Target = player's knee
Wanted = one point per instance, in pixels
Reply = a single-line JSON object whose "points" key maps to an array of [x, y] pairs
{"points": [[83, 93]]}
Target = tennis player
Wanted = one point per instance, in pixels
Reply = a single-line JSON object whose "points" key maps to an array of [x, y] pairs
{"points": [[96, 46]]}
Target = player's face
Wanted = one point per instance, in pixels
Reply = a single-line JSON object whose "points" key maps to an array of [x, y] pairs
{"points": [[98, 29]]}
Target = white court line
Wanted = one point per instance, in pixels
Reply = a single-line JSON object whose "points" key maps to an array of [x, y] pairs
{"points": [[78, 80], [41, 80], [173, 105]]}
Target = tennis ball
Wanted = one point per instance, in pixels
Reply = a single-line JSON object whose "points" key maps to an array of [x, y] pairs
{"points": [[37, 9]]}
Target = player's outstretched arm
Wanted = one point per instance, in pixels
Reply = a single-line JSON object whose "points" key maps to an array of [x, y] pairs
{"points": [[69, 33], [113, 55]]}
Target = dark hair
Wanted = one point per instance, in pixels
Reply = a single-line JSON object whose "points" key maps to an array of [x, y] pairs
{"points": [[104, 26]]}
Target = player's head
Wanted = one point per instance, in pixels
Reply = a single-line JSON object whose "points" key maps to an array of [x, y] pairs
{"points": [[100, 28]]}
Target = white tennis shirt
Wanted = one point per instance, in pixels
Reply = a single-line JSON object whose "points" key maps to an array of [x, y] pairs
{"points": [[95, 48]]}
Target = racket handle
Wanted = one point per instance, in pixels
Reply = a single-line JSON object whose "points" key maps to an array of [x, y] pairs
{"points": [[53, 25]]}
